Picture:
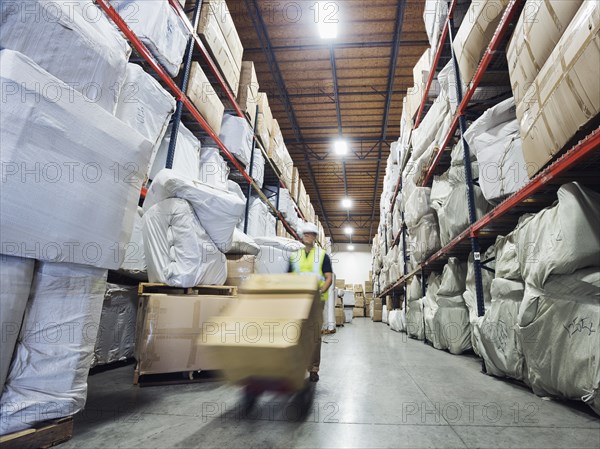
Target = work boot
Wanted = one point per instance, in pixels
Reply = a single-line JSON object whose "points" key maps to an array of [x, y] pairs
{"points": [[314, 377]]}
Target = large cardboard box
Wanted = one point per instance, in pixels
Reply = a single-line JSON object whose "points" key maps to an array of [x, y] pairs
{"points": [[358, 312], [221, 14], [359, 301], [377, 304], [264, 125], [301, 194], [475, 34], [340, 283], [368, 287], [275, 150], [358, 288], [212, 36], [270, 332], [565, 95], [377, 315], [388, 302], [169, 331], [339, 316], [537, 32], [295, 184], [205, 98], [339, 302], [239, 268], [368, 296], [248, 92]]}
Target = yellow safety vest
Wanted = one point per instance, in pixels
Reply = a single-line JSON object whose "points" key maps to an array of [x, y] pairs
{"points": [[311, 263]]}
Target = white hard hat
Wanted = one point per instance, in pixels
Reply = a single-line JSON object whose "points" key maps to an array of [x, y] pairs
{"points": [[310, 227]]}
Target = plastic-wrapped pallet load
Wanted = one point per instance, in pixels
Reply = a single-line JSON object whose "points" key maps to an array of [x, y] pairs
{"points": [[414, 309], [237, 136], [186, 160], [217, 210], [429, 308], [64, 150], [214, 171], [434, 16], [145, 105], [496, 140], [475, 33], [499, 342], [397, 319], [116, 333], [275, 254], [158, 27], [48, 375], [258, 167], [16, 277], [243, 244], [384, 314], [260, 221], [558, 326], [134, 262], [433, 122], [536, 34], [565, 95], [561, 239], [73, 42], [179, 252]]}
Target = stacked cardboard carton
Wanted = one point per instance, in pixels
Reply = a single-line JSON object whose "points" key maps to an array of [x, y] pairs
{"points": [[376, 309], [248, 92], [239, 268], [205, 98], [359, 301]]}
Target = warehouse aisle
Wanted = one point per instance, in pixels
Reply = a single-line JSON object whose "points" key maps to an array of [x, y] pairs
{"points": [[377, 389]]}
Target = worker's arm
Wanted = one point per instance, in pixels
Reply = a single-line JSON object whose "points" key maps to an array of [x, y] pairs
{"points": [[328, 281]]}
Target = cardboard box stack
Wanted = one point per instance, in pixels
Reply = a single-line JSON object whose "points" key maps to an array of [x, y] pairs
{"points": [[359, 301], [270, 332], [205, 98], [248, 92], [264, 125], [376, 309]]}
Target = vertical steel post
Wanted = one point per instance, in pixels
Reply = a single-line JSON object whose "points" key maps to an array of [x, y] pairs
{"points": [[251, 169], [187, 65], [468, 178]]}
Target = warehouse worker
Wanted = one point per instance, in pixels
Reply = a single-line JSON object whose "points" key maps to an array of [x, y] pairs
{"points": [[313, 260]]}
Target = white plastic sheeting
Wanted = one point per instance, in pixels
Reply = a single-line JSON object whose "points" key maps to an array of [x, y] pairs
{"points": [[258, 168], [71, 181], [563, 238], [179, 252], [329, 310], [495, 138], [559, 333], [158, 27], [432, 126], [214, 171], [77, 45], [261, 223], [498, 335], [218, 210], [48, 374], [145, 105], [134, 262], [237, 136], [384, 314], [424, 238], [275, 254], [243, 244], [186, 160], [116, 333], [397, 320], [414, 309], [430, 307], [16, 277]]}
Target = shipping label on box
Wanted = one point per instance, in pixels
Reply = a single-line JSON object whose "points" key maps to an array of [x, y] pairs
{"points": [[170, 329], [205, 98]]}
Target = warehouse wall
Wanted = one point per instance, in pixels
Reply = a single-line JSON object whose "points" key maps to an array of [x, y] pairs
{"points": [[352, 266]]}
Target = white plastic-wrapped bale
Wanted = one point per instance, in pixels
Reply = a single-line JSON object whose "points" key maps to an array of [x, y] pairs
{"points": [[186, 159], [145, 106], [432, 125], [73, 42], [217, 210], [496, 140], [384, 314], [237, 136], [424, 238], [179, 252], [48, 375], [397, 320], [558, 326], [258, 168], [498, 339], [134, 262], [16, 277], [414, 307], [214, 171], [159, 27], [116, 333], [434, 16], [275, 254], [261, 223], [561, 239], [430, 307], [243, 244], [64, 158]]}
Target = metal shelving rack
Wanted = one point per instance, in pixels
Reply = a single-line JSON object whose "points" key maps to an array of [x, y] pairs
{"points": [[580, 161], [185, 109]]}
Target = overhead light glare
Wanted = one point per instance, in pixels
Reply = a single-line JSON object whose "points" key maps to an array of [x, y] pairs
{"points": [[341, 147], [347, 203], [350, 247], [348, 230]]}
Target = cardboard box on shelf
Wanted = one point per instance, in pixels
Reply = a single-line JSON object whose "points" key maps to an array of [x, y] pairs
{"points": [[294, 188], [358, 312], [377, 315], [248, 92], [340, 283], [275, 149], [368, 287], [212, 36], [205, 98], [170, 329], [270, 332], [377, 304], [359, 301], [565, 95], [358, 288], [239, 268], [368, 296], [222, 16], [388, 302], [264, 125]]}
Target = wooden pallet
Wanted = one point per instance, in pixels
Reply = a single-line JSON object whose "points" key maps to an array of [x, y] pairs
{"points": [[145, 288], [178, 378], [45, 435]]}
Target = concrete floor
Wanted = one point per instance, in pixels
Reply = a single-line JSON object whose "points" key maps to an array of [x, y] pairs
{"points": [[378, 389]]}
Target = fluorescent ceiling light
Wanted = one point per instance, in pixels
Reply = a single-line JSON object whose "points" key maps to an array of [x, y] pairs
{"points": [[326, 15], [341, 146], [350, 247], [346, 203], [348, 230], [328, 30]]}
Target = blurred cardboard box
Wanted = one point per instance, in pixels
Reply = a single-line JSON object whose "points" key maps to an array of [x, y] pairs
{"points": [[339, 316], [239, 268], [358, 312]]}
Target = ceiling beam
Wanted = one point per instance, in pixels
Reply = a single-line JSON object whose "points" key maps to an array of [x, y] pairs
{"points": [[388, 101], [380, 44], [265, 42]]}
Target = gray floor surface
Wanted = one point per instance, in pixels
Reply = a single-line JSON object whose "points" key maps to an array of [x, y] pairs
{"points": [[378, 389]]}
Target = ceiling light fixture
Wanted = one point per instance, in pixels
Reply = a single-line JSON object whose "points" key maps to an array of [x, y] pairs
{"points": [[350, 247], [348, 230], [341, 147], [347, 203], [325, 13]]}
